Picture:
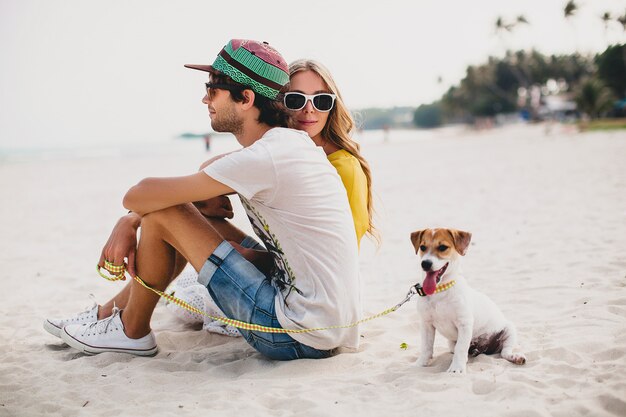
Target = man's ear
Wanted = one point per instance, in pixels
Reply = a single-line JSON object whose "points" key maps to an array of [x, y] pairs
{"points": [[248, 99], [416, 237], [461, 240]]}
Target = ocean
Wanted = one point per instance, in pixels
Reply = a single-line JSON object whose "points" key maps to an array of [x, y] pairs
{"points": [[220, 143], [90, 150]]}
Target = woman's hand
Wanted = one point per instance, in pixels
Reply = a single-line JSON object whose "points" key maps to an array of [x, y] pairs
{"points": [[219, 207], [122, 243]]}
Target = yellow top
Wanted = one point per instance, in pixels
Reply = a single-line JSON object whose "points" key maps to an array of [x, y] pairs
{"points": [[353, 178]]}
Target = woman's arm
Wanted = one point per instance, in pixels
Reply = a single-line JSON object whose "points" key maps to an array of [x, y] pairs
{"points": [[152, 194]]}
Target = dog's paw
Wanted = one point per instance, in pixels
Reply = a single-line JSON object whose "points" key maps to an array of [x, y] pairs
{"points": [[518, 359], [457, 369], [422, 361]]}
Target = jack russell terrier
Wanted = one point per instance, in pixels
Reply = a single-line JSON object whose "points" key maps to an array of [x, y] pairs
{"points": [[470, 321]]}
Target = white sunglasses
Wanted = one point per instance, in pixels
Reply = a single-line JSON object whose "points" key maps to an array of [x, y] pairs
{"points": [[322, 102]]}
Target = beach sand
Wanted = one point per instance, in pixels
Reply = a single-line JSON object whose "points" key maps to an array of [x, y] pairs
{"points": [[548, 217]]}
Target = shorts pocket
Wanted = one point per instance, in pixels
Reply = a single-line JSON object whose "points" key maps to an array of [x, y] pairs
{"points": [[282, 351]]}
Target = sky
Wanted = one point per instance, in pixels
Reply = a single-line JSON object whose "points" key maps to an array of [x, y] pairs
{"points": [[80, 72]]}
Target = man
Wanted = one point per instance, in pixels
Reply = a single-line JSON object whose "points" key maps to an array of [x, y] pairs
{"points": [[307, 275]]}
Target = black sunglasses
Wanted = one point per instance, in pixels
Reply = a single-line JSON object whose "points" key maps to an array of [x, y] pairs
{"points": [[323, 102], [217, 86]]}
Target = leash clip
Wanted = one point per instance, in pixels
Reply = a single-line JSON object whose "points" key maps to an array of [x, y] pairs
{"points": [[412, 291]]}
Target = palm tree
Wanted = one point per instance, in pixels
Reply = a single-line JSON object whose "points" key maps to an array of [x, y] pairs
{"points": [[606, 19], [501, 25], [507, 27], [521, 19], [570, 9], [594, 98], [622, 20]]}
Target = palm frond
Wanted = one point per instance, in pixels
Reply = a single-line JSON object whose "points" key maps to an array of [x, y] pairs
{"points": [[570, 9], [622, 20]]}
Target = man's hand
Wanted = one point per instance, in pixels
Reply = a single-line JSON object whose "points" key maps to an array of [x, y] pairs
{"points": [[122, 243], [261, 259], [219, 207]]}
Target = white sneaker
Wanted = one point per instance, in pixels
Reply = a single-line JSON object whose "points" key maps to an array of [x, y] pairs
{"points": [[54, 326], [107, 335]]}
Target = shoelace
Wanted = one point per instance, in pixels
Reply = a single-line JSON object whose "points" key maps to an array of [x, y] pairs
{"points": [[87, 309], [101, 326]]}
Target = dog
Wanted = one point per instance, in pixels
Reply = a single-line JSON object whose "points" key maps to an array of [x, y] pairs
{"points": [[470, 321]]}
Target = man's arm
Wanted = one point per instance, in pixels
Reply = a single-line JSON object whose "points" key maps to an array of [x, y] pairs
{"points": [[215, 158], [152, 194]]}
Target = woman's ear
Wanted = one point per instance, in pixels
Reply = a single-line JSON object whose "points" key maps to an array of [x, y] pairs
{"points": [[248, 99]]}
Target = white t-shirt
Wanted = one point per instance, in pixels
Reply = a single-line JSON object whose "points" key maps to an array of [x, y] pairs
{"points": [[298, 207]]}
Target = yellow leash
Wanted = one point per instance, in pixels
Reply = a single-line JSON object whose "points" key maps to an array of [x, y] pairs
{"points": [[120, 270]]}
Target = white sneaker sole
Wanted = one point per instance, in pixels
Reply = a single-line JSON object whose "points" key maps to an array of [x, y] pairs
{"points": [[93, 350], [51, 328]]}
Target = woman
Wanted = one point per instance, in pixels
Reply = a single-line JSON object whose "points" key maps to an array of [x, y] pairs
{"points": [[317, 108]]}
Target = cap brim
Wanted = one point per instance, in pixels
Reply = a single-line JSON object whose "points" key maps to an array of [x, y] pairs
{"points": [[206, 68]]}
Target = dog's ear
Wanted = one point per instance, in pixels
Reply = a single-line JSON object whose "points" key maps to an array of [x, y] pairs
{"points": [[461, 240], [416, 237]]}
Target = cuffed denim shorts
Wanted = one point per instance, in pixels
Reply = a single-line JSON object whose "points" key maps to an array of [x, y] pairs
{"points": [[244, 293]]}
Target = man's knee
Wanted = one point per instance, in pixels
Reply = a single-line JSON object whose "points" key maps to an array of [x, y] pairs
{"points": [[162, 217]]}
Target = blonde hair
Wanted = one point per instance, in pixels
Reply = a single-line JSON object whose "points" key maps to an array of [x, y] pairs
{"points": [[338, 128]]}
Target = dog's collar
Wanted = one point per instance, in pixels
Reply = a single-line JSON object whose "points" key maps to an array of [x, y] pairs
{"points": [[440, 288]]}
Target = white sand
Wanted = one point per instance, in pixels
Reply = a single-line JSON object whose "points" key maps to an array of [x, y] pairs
{"points": [[548, 215]]}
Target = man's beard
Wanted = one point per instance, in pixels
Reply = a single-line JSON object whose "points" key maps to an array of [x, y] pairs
{"points": [[227, 121]]}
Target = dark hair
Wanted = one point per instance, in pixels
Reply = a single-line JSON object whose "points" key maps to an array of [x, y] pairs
{"points": [[271, 113]]}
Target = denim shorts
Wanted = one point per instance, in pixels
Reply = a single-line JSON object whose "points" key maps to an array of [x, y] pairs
{"points": [[244, 293]]}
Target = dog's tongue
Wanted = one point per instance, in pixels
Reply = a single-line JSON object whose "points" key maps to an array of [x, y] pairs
{"points": [[430, 282]]}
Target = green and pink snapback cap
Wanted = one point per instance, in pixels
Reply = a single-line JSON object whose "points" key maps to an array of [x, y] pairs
{"points": [[251, 63]]}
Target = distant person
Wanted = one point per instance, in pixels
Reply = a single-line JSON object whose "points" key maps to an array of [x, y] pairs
{"points": [[385, 133], [295, 202], [207, 142]]}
